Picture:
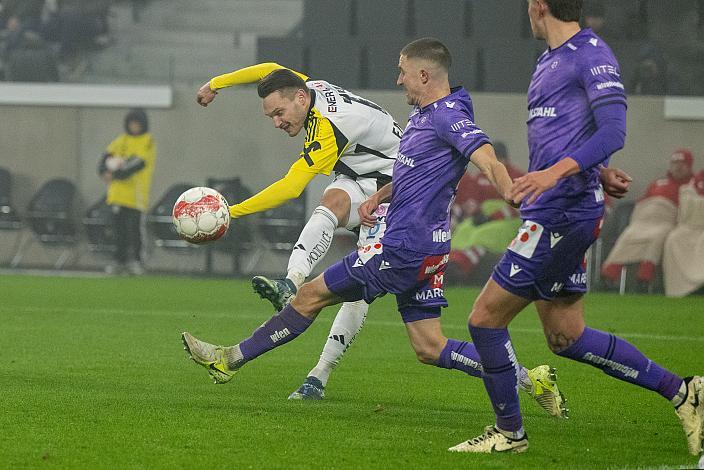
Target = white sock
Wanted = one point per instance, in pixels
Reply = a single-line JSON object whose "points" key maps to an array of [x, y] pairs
{"points": [[524, 381], [680, 396], [348, 322], [312, 245]]}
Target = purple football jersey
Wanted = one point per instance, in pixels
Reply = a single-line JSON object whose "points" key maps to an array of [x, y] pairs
{"points": [[569, 82], [433, 155]]}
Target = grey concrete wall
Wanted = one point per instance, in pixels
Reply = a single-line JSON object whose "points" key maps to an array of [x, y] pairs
{"points": [[232, 137]]}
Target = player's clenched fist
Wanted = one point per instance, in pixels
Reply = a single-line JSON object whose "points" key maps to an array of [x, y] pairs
{"points": [[205, 95]]}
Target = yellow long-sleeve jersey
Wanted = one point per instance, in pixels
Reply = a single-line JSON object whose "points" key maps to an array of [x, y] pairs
{"points": [[344, 133]]}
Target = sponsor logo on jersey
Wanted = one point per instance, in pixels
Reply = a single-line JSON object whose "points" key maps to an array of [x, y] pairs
{"points": [[555, 239], [404, 160], [605, 69], [461, 124], [450, 104], [474, 132], [441, 236], [542, 111], [432, 265], [593, 41], [438, 281], [601, 86], [578, 278], [430, 294], [279, 335]]}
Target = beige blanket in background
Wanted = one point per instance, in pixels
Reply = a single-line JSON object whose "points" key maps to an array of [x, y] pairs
{"points": [[644, 238], [683, 259]]}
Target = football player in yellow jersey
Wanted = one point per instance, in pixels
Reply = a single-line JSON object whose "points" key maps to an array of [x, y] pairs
{"points": [[346, 135]]}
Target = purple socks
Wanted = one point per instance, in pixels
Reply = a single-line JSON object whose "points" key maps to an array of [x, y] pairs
{"points": [[500, 375], [278, 330], [619, 358], [461, 355]]}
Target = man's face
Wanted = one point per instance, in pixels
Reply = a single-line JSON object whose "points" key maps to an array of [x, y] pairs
{"points": [[680, 170], [409, 77], [288, 110], [536, 12]]}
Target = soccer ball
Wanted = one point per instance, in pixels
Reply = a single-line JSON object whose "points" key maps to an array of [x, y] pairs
{"points": [[201, 215]]}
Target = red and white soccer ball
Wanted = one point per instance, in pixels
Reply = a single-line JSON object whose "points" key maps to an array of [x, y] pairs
{"points": [[201, 215]]}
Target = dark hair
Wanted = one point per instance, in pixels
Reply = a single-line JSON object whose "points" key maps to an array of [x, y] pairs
{"points": [[565, 10], [139, 116], [282, 80], [429, 49]]}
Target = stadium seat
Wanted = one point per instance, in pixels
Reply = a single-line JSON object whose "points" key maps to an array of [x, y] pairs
{"points": [[97, 224], [159, 220], [278, 229], [9, 220], [239, 237], [50, 217]]}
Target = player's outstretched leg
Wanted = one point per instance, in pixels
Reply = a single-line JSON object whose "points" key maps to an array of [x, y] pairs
{"points": [[347, 324], [210, 356], [312, 245], [222, 362]]}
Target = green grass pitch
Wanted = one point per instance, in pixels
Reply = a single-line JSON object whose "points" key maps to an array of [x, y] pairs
{"points": [[93, 375]]}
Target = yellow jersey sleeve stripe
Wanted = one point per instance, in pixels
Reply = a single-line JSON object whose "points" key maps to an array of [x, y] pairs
{"points": [[251, 74]]}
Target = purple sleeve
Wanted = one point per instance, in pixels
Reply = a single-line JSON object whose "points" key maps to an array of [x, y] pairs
{"points": [[600, 76], [609, 137], [458, 129]]}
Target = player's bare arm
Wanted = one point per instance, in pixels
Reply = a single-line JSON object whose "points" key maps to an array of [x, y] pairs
{"points": [[484, 158], [367, 208]]}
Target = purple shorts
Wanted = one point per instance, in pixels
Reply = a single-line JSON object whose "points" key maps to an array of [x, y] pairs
{"points": [[375, 270], [546, 260]]}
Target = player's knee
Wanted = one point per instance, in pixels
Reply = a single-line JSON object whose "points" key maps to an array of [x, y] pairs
{"points": [[479, 316], [308, 301]]}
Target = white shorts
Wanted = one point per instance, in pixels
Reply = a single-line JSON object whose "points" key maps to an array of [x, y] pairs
{"points": [[359, 190]]}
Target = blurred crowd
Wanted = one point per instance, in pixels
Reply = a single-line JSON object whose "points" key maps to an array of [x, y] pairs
{"points": [[665, 234], [669, 53], [43, 40]]}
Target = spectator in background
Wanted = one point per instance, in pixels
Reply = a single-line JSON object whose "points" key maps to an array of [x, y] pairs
{"points": [[650, 77], [653, 218], [683, 257], [486, 222], [127, 168]]}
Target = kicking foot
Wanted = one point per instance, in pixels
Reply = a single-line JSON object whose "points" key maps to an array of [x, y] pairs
{"points": [[210, 356]]}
